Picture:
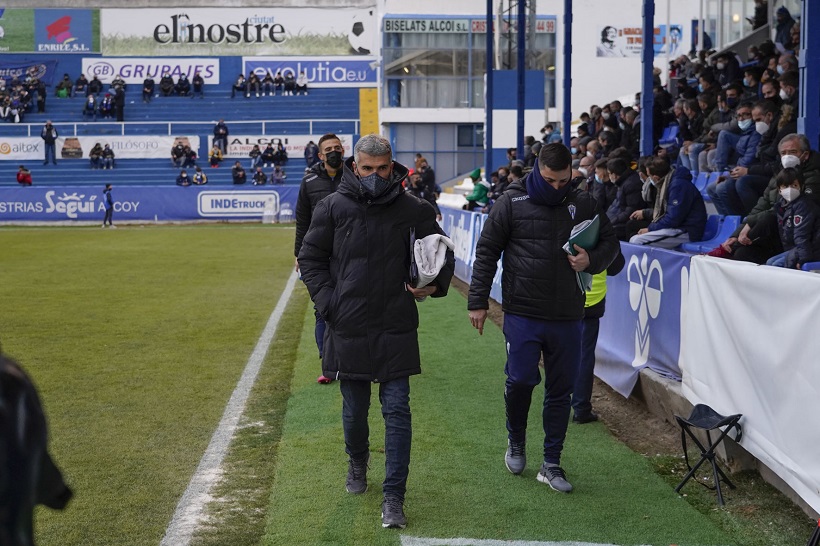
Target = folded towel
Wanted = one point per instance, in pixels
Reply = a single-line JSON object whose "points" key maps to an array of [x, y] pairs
{"points": [[430, 254]]}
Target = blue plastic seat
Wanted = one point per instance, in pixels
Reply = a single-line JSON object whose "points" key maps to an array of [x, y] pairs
{"points": [[727, 226], [814, 267], [669, 137]]}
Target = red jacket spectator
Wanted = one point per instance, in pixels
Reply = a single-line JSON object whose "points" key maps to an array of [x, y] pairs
{"points": [[24, 176]]}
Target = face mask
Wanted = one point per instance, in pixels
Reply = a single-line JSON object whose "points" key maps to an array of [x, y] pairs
{"points": [[606, 115], [333, 159], [653, 182], [622, 126], [790, 161], [722, 110], [721, 66], [700, 87], [731, 102], [789, 194], [374, 185], [746, 82], [573, 150], [784, 95], [598, 180], [583, 171], [590, 154], [780, 70], [744, 124], [762, 127]]}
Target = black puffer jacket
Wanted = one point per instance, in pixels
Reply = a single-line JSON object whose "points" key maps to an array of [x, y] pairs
{"points": [[538, 281], [355, 261], [628, 198], [316, 185]]}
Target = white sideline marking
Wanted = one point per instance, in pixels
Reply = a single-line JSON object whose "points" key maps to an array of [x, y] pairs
{"points": [[419, 541], [188, 513]]}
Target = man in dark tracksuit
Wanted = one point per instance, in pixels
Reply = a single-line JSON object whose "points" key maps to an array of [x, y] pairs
{"points": [[542, 301], [319, 181], [109, 206], [355, 262]]}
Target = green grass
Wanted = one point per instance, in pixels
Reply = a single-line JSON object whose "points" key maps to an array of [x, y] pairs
{"points": [[136, 338], [458, 484], [19, 27]]}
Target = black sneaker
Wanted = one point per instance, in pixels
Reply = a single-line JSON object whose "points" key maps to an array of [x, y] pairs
{"points": [[357, 475], [393, 513], [516, 457], [553, 475], [584, 419]]}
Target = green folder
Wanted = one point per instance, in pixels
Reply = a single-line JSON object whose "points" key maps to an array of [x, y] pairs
{"points": [[584, 235]]}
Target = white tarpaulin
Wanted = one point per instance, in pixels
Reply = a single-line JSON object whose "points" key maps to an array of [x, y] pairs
{"points": [[748, 348], [125, 147]]}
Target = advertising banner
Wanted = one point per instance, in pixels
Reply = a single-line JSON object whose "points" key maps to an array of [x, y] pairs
{"points": [[239, 146], [464, 228], [320, 71], [125, 147], [64, 31], [136, 69], [628, 41], [544, 24], [45, 71], [146, 203], [643, 323], [239, 31]]}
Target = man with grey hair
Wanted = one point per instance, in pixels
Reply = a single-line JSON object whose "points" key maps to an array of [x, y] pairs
{"points": [[355, 261]]}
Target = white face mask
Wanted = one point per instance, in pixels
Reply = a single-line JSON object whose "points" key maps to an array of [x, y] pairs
{"points": [[590, 154], [605, 115], [583, 171], [762, 127], [789, 161], [789, 194], [721, 66], [784, 95]]}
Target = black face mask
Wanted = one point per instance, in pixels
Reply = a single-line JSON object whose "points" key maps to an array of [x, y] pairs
{"points": [[732, 102], [333, 159]]}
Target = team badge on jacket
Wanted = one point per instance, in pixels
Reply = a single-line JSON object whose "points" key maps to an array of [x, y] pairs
{"points": [[797, 220], [572, 208]]}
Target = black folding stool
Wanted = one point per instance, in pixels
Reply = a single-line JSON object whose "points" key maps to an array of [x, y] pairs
{"points": [[705, 418]]}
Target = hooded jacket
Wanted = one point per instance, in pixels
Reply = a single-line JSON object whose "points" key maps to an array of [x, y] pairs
{"points": [[798, 224], [355, 261], [316, 185]]}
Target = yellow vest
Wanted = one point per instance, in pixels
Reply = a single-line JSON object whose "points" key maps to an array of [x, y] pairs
{"points": [[598, 290]]}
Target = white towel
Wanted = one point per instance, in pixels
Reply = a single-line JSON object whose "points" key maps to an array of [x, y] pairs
{"points": [[430, 254]]}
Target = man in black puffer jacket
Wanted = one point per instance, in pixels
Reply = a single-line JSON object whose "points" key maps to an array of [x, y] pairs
{"points": [[355, 261], [319, 181], [542, 301]]}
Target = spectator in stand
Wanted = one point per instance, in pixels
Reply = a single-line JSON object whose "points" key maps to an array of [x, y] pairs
{"points": [[95, 156], [608, 141], [81, 85], [785, 22], [190, 157], [23, 176], [500, 185], [183, 179], [118, 82], [479, 197], [238, 85], [221, 133], [178, 154], [418, 189], [428, 176], [49, 135], [789, 85], [42, 94], [691, 123], [280, 156], [107, 106], [785, 63], [679, 214], [311, 154], [770, 90], [268, 154], [551, 135], [166, 85], [603, 190], [259, 177], [290, 83], [200, 178], [798, 223], [301, 83], [95, 86], [198, 84], [107, 157], [253, 85], [119, 103], [707, 83], [728, 68], [628, 197], [148, 86], [238, 173], [90, 107], [215, 156], [278, 83], [108, 201], [256, 156], [65, 88], [278, 176], [751, 83], [183, 86], [586, 166], [267, 84], [630, 137]]}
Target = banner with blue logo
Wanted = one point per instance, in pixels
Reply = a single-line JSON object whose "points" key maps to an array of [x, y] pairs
{"points": [[320, 71], [42, 70], [147, 203], [464, 228], [642, 324], [63, 31]]}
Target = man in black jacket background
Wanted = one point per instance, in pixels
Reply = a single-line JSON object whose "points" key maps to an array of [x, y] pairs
{"points": [[542, 301], [355, 262]]}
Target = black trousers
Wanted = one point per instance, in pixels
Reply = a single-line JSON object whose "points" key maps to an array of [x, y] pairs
{"points": [[109, 212]]}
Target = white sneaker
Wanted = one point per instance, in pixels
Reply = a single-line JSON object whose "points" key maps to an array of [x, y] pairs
{"points": [[103, 226], [112, 226]]}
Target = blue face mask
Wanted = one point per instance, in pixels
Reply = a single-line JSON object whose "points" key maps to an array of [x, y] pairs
{"points": [[598, 180], [374, 185], [573, 150], [700, 87], [744, 124], [746, 82]]}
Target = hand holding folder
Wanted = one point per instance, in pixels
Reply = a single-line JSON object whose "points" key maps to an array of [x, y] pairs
{"points": [[585, 235]]}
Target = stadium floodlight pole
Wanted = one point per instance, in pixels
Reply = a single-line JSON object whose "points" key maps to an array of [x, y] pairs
{"points": [[521, 25], [647, 96], [488, 95], [567, 118], [808, 122]]}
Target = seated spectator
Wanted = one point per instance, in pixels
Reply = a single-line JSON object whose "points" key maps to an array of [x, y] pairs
{"points": [[23, 176], [253, 85], [178, 155], [95, 156], [166, 85], [95, 86], [259, 177], [798, 222], [278, 176], [301, 83], [183, 179], [751, 83], [789, 88], [107, 106], [238, 85], [107, 157], [215, 156], [80, 85], [256, 156], [290, 83], [268, 155], [278, 82], [148, 89], [267, 84], [64, 88], [603, 190], [198, 84], [118, 83], [90, 107], [679, 214], [280, 156], [499, 182], [200, 178], [183, 86], [727, 68], [190, 157], [479, 197], [418, 189], [551, 135], [628, 197], [238, 173]]}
